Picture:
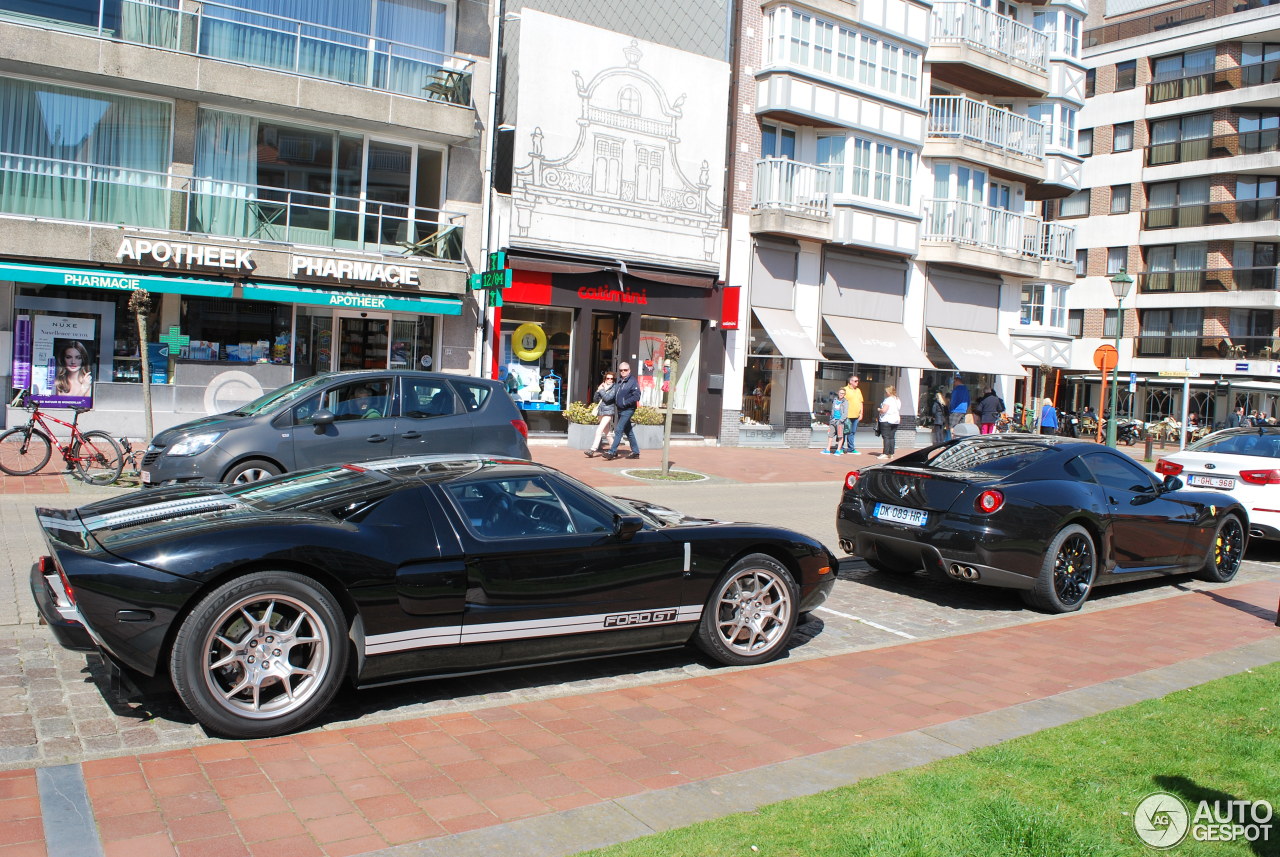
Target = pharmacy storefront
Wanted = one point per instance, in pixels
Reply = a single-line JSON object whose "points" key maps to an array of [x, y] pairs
{"points": [[217, 335]]}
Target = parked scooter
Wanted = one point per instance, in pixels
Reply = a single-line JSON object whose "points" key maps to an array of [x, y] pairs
{"points": [[1068, 424], [1128, 432]]}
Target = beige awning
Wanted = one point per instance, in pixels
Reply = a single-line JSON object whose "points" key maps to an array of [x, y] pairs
{"points": [[787, 334], [881, 343], [979, 353]]}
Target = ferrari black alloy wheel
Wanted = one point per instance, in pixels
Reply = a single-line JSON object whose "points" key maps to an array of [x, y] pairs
{"points": [[751, 613], [1226, 551], [260, 655], [1067, 574]]}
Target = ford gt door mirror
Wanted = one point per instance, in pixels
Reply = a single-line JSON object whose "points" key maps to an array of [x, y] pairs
{"points": [[626, 526], [322, 418], [1170, 483]]}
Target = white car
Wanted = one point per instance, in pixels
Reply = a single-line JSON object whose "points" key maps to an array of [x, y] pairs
{"points": [[1243, 462]]}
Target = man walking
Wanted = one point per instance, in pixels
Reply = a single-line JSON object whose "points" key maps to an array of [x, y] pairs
{"points": [[853, 395], [1237, 419], [626, 398], [959, 402]]}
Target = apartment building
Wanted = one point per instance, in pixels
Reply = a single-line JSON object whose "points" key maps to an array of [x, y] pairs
{"points": [[1180, 190], [296, 185], [890, 164]]}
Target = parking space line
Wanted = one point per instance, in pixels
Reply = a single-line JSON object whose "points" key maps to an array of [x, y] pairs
{"points": [[866, 622]]}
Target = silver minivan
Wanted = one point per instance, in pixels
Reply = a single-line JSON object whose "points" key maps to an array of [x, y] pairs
{"points": [[340, 418]]}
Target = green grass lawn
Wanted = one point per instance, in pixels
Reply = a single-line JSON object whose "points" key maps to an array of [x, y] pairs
{"points": [[1067, 791]]}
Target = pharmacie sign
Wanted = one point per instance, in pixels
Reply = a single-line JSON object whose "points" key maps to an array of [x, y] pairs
{"points": [[349, 269]]}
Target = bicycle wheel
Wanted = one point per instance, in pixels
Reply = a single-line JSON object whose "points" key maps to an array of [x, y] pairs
{"points": [[23, 451], [96, 458]]}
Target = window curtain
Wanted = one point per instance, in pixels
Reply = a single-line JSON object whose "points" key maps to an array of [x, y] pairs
{"points": [[1193, 202], [319, 38], [224, 187], [411, 45], [150, 22], [1195, 136], [1190, 264], [1185, 341], [80, 155]]}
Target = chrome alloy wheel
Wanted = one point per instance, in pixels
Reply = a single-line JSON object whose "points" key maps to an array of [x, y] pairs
{"points": [[265, 656], [753, 610], [1228, 548], [1073, 569], [253, 474]]}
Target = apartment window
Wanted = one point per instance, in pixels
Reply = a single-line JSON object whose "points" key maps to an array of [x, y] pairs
{"points": [[1259, 130], [1070, 35], [1075, 205], [1085, 147], [1082, 263], [831, 154], [861, 168], [1171, 204], [1170, 333], [777, 141], [1126, 75], [1117, 259], [80, 154], [800, 26], [1176, 267], [1180, 139], [1257, 62], [1110, 323], [847, 54], [823, 37], [1090, 82], [1120, 199], [1122, 138], [902, 181], [803, 40], [1044, 304], [1181, 75], [1256, 198], [1075, 323], [867, 61], [1067, 128]]}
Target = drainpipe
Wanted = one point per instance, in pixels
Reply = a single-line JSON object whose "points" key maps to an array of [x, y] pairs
{"points": [[483, 347]]}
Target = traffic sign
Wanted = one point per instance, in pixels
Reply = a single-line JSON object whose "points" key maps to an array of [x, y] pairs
{"points": [[1178, 373], [1106, 357]]}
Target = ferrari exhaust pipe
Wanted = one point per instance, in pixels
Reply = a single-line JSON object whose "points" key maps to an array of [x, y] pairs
{"points": [[846, 546], [963, 572]]}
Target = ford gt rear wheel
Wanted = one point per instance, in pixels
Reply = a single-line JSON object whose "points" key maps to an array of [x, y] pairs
{"points": [[1067, 574], [751, 614], [260, 655], [1226, 551]]}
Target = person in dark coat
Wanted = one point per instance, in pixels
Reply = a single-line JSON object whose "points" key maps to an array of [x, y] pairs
{"points": [[626, 399], [939, 411], [989, 409]]}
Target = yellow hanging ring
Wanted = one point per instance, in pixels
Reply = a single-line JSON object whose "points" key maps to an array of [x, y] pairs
{"points": [[528, 342]]}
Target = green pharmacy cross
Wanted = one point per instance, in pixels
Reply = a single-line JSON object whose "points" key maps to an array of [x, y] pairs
{"points": [[494, 280], [175, 340]]}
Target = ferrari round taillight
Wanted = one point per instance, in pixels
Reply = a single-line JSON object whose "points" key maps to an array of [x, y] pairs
{"points": [[989, 501], [850, 480], [1168, 468]]}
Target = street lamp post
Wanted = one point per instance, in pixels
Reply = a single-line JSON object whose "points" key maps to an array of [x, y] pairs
{"points": [[1121, 283]]}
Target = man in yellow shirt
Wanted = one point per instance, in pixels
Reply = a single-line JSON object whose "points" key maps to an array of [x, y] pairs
{"points": [[854, 396]]}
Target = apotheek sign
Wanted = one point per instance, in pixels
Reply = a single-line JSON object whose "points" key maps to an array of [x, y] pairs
{"points": [[172, 254]]}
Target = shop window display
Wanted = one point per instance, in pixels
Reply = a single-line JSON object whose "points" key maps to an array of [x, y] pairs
{"points": [[655, 377], [534, 360], [762, 390], [235, 331]]}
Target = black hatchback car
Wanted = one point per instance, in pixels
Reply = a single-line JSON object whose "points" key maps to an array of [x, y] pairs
{"points": [[339, 418]]}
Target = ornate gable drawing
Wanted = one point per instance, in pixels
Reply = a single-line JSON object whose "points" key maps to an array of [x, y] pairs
{"points": [[623, 178]]}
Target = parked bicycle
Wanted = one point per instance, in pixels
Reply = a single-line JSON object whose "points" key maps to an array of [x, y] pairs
{"points": [[92, 456]]}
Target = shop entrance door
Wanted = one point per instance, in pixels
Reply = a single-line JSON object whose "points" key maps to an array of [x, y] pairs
{"points": [[363, 341], [605, 328]]}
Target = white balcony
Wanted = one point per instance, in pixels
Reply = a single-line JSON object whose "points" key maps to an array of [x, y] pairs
{"points": [[990, 52], [962, 127], [967, 233], [792, 198]]}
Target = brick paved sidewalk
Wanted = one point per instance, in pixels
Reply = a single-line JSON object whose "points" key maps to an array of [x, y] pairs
{"points": [[354, 790]]}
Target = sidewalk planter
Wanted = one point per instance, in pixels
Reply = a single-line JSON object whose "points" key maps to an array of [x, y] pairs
{"points": [[649, 437]]}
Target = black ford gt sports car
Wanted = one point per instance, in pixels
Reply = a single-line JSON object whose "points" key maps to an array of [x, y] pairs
{"points": [[258, 600], [1048, 516]]}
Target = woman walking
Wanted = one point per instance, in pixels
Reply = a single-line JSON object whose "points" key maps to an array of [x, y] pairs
{"points": [[890, 418], [607, 410], [1048, 417], [939, 412]]}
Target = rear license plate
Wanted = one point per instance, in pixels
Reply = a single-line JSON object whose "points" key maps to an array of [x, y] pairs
{"points": [[1212, 481], [145, 477], [899, 515]]}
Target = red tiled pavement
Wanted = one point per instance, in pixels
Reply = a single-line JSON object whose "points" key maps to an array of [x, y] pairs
{"points": [[346, 791]]}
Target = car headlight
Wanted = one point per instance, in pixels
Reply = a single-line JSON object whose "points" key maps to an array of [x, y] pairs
{"points": [[195, 444]]}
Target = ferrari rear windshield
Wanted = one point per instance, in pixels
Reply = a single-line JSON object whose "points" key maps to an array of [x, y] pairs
{"points": [[999, 459]]}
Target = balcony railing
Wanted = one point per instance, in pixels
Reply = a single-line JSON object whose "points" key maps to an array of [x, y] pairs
{"points": [[790, 185], [1200, 83], [992, 33], [1213, 347], [1208, 280], [86, 193], [1212, 213], [996, 229], [1217, 146], [271, 41], [1166, 19], [957, 117]]}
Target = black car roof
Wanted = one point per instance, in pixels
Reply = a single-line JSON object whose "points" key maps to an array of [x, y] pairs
{"points": [[448, 468]]}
